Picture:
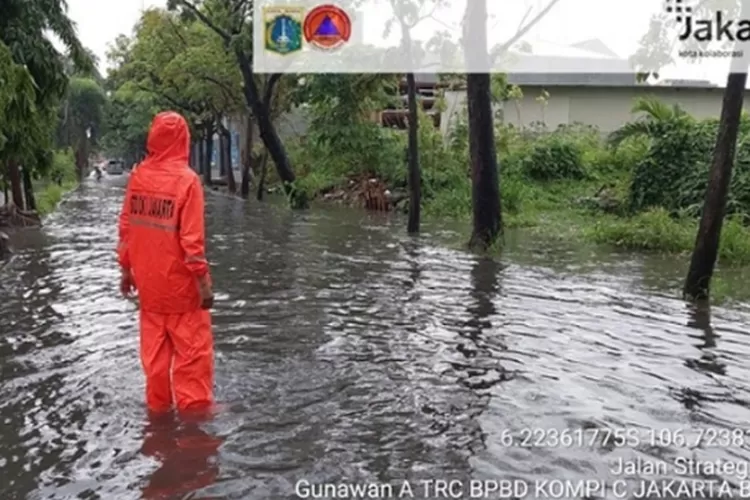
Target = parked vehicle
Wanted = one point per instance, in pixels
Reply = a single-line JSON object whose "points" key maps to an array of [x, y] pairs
{"points": [[115, 167]]}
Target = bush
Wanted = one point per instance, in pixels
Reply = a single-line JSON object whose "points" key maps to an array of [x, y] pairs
{"points": [[62, 177], [326, 159], [63, 168], [650, 230], [674, 173], [554, 157], [658, 230]]}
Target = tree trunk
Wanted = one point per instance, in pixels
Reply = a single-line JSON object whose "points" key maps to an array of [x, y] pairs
{"points": [[415, 181], [6, 192], [221, 156], [487, 220], [231, 182], [225, 154], [28, 189], [247, 158], [268, 134], [16, 190], [262, 176], [81, 156], [201, 155], [194, 156], [697, 284], [209, 140]]}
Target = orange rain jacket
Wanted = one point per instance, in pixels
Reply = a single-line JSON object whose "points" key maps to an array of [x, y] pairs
{"points": [[162, 233]]}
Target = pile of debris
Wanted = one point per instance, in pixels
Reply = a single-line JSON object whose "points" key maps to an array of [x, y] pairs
{"points": [[12, 216], [367, 192]]}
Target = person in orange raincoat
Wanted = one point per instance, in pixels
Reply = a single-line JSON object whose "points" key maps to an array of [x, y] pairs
{"points": [[162, 255]]}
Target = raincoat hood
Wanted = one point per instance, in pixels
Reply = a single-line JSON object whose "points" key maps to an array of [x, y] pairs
{"points": [[168, 140]]}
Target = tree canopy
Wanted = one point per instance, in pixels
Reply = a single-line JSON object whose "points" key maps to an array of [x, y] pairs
{"points": [[45, 94]]}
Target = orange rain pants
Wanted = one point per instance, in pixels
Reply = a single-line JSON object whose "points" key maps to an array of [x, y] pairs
{"points": [[162, 246]]}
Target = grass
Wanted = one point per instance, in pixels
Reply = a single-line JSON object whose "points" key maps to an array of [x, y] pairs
{"points": [[550, 208], [655, 230], [48, 192], [49, 196]]}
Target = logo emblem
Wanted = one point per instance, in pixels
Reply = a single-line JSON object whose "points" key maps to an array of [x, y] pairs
{"points": [[283, 29], [327, 27]]}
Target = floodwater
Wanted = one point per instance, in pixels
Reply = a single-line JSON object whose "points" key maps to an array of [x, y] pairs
{"points": [[349, 354]]}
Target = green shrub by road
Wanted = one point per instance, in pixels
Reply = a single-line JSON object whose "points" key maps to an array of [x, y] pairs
{"points": [[641, 189], [61, 179]]}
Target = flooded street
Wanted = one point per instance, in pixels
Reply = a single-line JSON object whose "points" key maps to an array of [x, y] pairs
{"points": [[348, 353]]}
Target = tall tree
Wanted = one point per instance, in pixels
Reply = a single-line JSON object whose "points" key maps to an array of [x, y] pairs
{"points": [[658, 47], [232, 21], [25, 26], [486, 208], [706, 250], [486, 202], [408, 13], [81, 118]]}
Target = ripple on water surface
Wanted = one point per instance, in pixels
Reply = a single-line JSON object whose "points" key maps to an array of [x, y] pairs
{"points": [[347, 352]]}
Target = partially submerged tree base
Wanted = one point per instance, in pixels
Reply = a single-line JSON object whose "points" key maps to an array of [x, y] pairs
{"points": [[703, 261], [482, 242], [4, 246], [11, 216], [486, 205], [298, 199]]}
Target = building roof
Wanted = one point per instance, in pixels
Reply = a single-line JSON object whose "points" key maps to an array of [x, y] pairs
{"points": [[582, 80], [598, 80], [595, 45], [555, 60]]}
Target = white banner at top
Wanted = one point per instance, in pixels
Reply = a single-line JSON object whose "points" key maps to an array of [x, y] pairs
{"points": [[535, 36]]}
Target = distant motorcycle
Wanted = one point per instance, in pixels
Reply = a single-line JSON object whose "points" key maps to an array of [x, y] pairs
{"points": [[98, 173]]}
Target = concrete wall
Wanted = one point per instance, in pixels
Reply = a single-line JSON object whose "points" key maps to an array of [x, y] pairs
{"points": [[607, 108]]}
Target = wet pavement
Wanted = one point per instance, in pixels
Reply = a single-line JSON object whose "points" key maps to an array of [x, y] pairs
{"points": [[348, 353]]}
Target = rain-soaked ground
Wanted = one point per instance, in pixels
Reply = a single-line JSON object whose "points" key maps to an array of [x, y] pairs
{"points": [[349, 354]]}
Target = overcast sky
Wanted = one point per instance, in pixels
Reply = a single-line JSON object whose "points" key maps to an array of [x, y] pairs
{"points": [[618, 24]]}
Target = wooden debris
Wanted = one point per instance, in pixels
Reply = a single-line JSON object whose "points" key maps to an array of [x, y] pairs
{"points": [[11, 216]]}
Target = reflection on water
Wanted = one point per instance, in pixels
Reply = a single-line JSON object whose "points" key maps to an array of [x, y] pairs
{"points": [[187, 457], [347, 351]]}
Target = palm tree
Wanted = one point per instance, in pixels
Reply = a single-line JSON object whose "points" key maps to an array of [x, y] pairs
{"points": [[653, 111]]}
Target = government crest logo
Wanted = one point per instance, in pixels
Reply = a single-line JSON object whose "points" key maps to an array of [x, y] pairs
{"points": [[283, 29], [327, 27]]}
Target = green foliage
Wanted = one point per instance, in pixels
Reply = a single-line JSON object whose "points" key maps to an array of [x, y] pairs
{"points": [[553, 157], [82, 111], [63, 169], [17, 105], [34, 77], [658, 230], [651, 230], [674, 172], [63, 176], [652, 111], [345, 140]]}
